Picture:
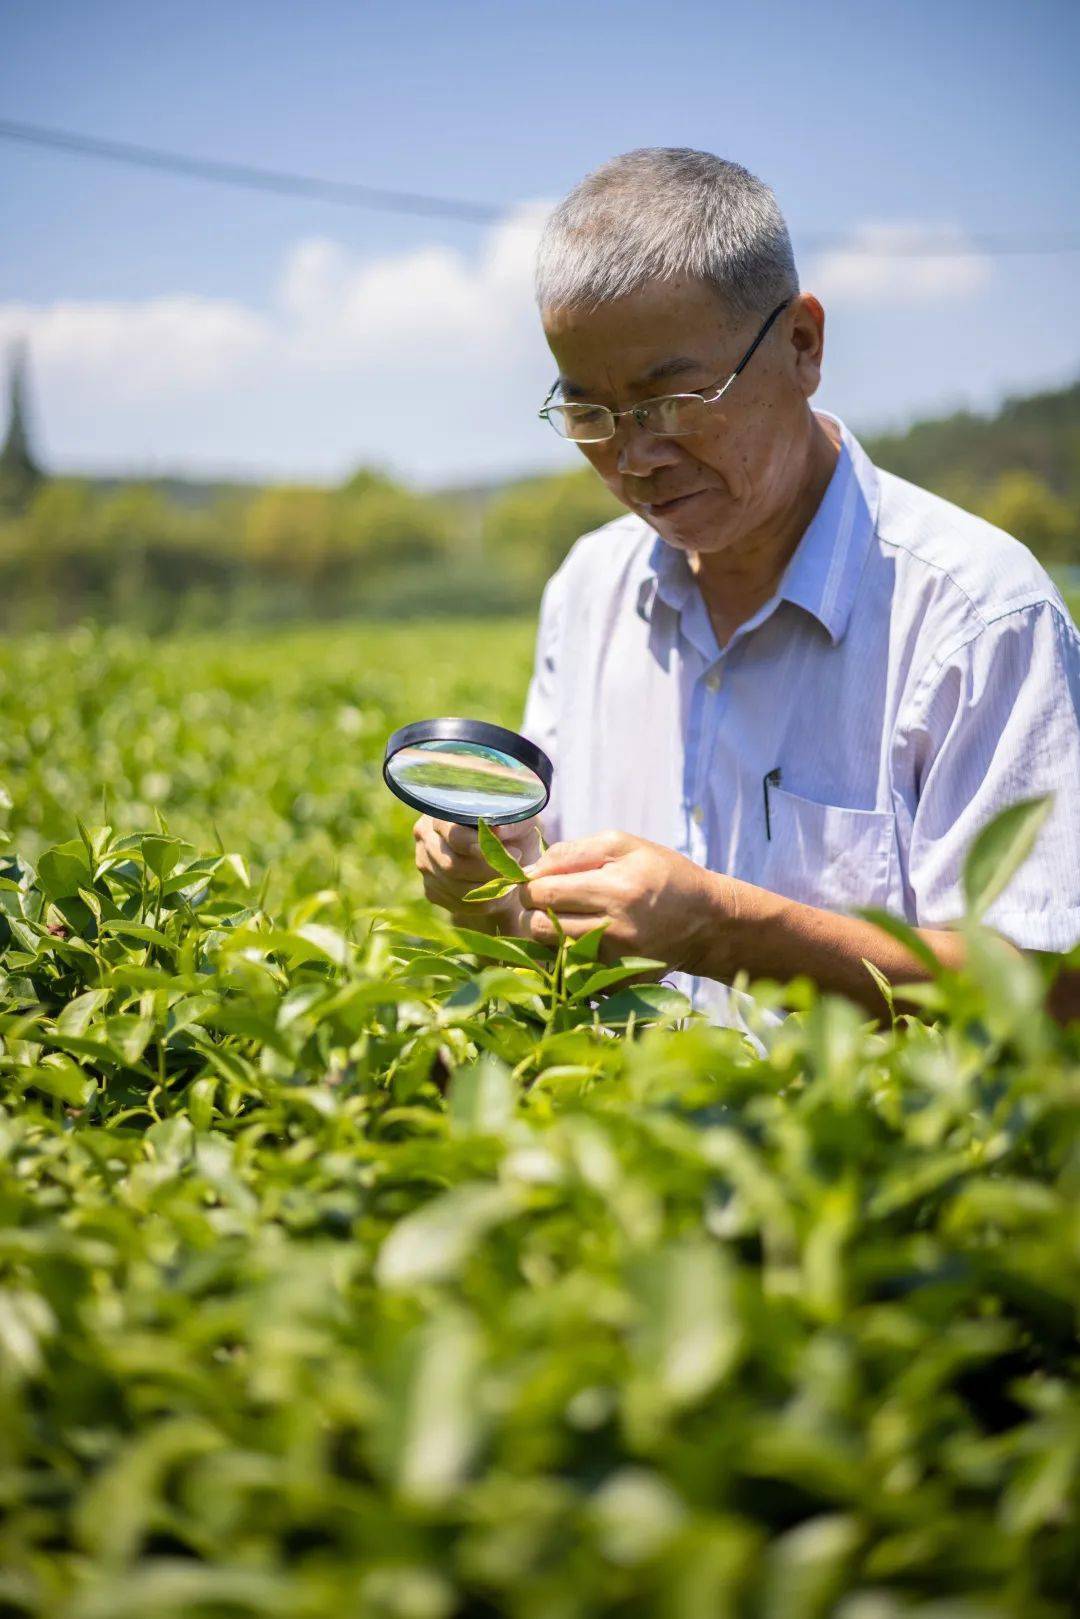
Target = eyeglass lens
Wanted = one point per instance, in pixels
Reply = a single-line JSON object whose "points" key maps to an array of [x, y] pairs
{"points": [[669, 417]]}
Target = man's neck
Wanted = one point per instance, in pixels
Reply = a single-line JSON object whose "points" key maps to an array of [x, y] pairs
{"points": [[735, 584]]}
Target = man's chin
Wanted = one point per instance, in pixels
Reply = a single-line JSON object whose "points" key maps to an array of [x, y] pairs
{"points": [[704, 531]]}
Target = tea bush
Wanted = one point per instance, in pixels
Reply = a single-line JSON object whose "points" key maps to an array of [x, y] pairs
{"points": [[273, 743], [355, 1264]]}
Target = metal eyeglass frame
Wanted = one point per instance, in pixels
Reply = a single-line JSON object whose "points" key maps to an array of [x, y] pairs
{"points": [[636, 411]]}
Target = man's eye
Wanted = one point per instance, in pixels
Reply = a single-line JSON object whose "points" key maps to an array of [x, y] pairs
{"points": [[588, 413]]}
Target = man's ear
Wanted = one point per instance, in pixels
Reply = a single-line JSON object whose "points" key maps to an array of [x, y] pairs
{"points": [[807, 338]]}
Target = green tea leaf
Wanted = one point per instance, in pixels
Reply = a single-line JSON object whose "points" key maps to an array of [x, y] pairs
{"points": [[77, 1014], [327, 941], [160, 854], [432, 1244], [644, 1001], [500, 947], [1000, 850], [58, 1076], [482, 1098], [587, 946], [63, 870], [495, 889], [805, 1567], [688, 1331], [140, 931], [882, 983], [497, 854], [904, 934], [606, 977], [431, 1420]]}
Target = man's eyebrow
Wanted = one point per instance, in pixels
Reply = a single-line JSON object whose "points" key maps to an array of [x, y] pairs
{"points": [[677, 366], [674, 367]]}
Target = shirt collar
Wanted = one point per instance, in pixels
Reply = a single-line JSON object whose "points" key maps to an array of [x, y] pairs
{"points": [[823, 574]]}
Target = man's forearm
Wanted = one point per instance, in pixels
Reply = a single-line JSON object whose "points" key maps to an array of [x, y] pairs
{"points": [[770, 936], [778, 938]]}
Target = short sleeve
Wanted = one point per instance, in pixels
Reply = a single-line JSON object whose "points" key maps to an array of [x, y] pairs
{"points": [[540, 721], [998, 723]]}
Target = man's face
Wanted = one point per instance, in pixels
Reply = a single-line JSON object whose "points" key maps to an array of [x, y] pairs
{"points": [[707, 491]]}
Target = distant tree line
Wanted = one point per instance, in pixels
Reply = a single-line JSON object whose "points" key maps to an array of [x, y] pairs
{"points": [[1020, 469], [73, 549], [372, 546]]}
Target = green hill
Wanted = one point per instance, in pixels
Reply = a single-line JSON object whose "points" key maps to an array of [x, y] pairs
{"points": [[1019, 467], [1039, 434]]}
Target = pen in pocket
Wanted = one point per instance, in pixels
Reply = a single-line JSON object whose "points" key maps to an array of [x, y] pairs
{"points": [[770, 779]]}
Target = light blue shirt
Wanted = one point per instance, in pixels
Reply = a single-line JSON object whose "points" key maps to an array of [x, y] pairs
{"points": [[915, 673]]}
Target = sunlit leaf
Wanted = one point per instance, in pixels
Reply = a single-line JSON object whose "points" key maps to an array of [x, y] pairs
{"points": [[497, 854], [688, 1331], [495, 889], [482, 1097], [62, 871], [1000, 850], [432, 1244]]}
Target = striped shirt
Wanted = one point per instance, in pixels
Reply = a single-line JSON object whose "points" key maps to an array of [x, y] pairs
{"points": [[915, 672]]}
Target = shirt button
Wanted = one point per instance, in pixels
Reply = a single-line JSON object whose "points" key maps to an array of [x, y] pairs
{"points": [[698, 813], [713, 682]]}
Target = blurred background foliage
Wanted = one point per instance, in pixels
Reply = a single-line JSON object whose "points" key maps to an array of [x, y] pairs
{"points": [[174, 553], [270, 740]]}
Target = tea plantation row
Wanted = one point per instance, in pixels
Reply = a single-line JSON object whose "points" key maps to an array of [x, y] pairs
{"points": [[354, 1265]]}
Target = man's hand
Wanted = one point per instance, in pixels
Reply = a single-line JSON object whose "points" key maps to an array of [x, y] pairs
{"points": [[449, 859], [655, 901]]}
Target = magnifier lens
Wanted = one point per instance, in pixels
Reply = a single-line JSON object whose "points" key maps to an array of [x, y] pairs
{"points": [[467, 777]]}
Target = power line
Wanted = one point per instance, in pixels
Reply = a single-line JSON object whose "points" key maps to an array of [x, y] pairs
{"points": [[254, 179], [284, 183], [977, 246]]}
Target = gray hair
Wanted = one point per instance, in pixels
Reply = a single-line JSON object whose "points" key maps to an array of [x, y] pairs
{"points": [[663, 213]]}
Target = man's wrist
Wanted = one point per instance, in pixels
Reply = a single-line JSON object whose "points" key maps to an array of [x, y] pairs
{"points": [[740, 921]]}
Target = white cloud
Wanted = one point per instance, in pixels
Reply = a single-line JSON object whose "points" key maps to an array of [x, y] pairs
{"points": [[329, 308], [180, 342], [433, 302], [458, 330], [899, 264]]}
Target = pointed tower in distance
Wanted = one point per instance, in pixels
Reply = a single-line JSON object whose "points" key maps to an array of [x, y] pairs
{"points": [[20, 474]]}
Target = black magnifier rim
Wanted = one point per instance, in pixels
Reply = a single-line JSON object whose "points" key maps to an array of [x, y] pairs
{"points": [[453, 729]]}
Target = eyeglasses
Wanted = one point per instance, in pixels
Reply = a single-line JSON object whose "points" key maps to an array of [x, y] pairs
{"points": [[667, 416]]}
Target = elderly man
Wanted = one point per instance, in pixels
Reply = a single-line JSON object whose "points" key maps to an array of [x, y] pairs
{"points": [[788, 684]]}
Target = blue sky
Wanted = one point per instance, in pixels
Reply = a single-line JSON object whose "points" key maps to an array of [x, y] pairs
{"points": [[175, 324]]}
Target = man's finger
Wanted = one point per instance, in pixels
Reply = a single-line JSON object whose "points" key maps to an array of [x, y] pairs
{"points": [[565, 893], [462, 839], [577, 854], [465, 839], [519, 834], [462, 868]]}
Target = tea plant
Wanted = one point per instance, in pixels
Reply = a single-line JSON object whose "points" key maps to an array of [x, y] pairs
{"points": [[273, 743], [356, 1264]]}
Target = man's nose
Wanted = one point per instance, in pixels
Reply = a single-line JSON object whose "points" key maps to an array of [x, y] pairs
{"points": [[641, 452]]}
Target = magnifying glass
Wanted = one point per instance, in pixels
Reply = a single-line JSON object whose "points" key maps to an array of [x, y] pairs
{"points": [[467, 770]]}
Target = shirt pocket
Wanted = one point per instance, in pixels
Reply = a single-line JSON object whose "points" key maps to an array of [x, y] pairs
{"points": [[826, 855]]}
